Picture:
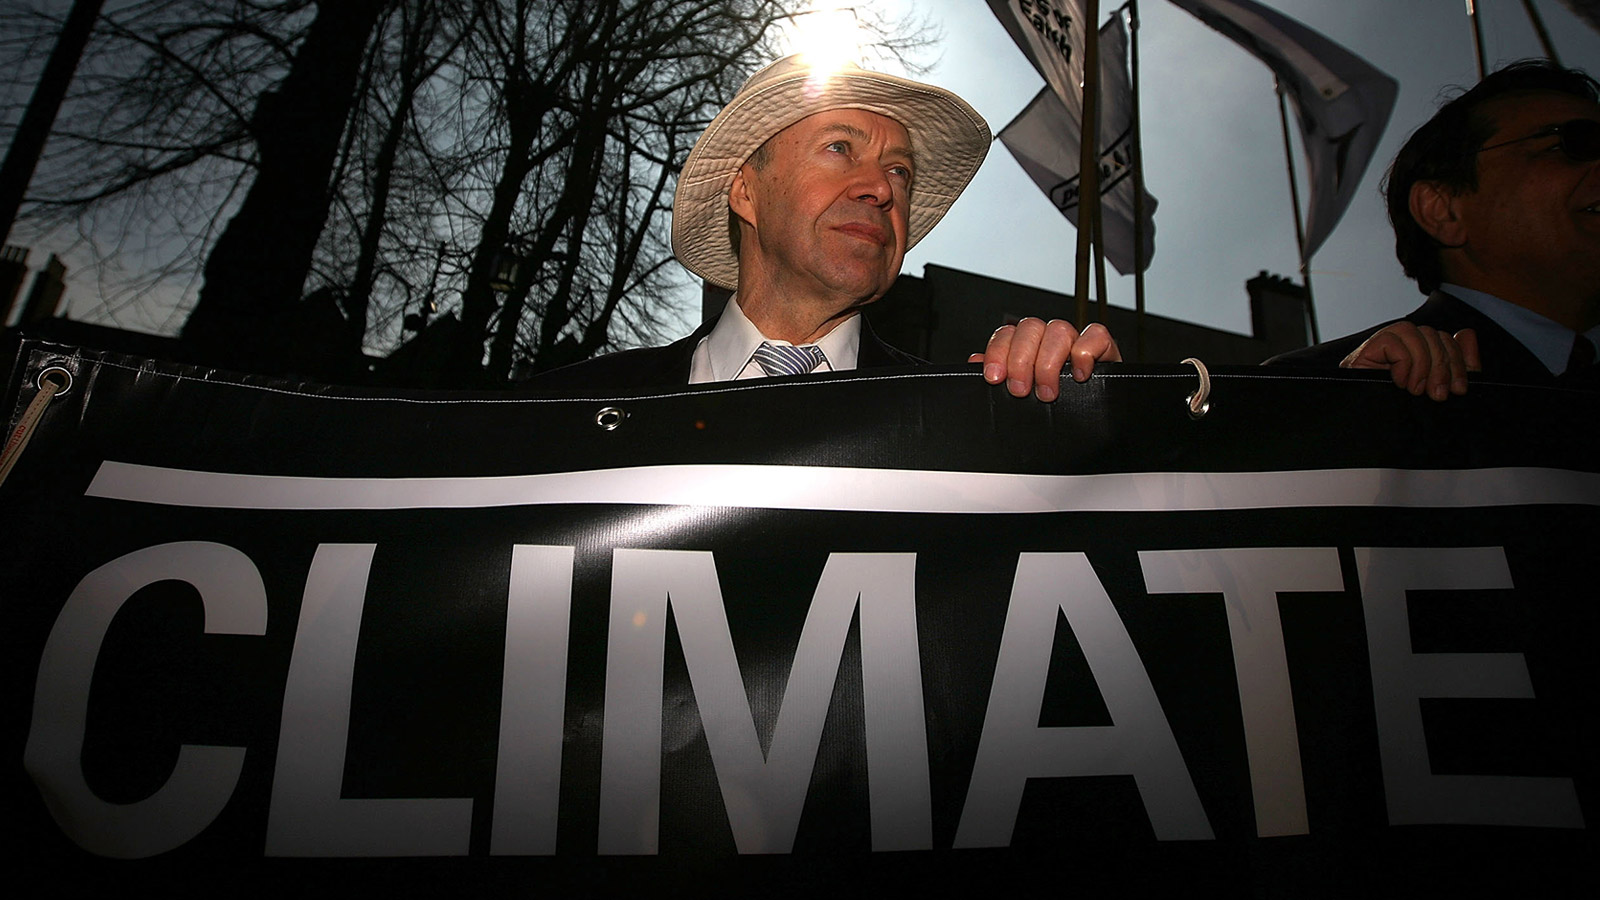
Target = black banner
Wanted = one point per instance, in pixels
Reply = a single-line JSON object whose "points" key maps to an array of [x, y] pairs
{"points": [[896, 633]]}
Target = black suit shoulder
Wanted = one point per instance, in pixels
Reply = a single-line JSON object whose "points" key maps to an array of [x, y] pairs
{"points": [[629, 369], [875, 353], [1504, 357], [668, 366]]}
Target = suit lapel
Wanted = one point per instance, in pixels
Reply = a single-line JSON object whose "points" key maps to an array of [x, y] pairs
{"points": [[1504, 357], [874, 353], [677, 358]]}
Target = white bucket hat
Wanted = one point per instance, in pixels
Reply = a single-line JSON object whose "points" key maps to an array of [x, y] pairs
{"points": [[948, 136]]}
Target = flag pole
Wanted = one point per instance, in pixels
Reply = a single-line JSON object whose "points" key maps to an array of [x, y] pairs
{"points": [[1538, 28], [1477, 36], [1294, 200], [1132, 6], [1088, 158], [1100, 266], [1102, 296]]}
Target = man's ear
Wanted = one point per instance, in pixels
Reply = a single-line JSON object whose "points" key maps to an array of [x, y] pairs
{"points": [[740, 197], [1437, 209]]}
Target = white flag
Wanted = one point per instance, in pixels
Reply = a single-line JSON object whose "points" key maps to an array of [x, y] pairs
{"points": [[1050, 34], [1045, 139], [1340, 100]]}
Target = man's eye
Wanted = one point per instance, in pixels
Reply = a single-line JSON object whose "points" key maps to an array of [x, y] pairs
{"points": [[900, 172], [839, 147]]}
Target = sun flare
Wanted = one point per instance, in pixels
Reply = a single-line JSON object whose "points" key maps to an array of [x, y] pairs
{"points": [[827, 36]]}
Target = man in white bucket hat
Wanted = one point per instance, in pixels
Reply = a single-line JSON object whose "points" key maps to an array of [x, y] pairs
{"points": [[802, 197]]}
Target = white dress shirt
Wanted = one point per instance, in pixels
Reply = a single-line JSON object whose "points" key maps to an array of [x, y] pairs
{"points": [[726, 353]]}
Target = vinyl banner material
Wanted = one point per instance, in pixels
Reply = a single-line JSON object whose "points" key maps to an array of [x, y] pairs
{"points": [[896, 634]]}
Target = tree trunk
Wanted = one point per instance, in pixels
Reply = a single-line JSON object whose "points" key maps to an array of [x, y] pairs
{"points": [[255, 273], [571, 211], [478, 301], [28, 142], [598, 330]]}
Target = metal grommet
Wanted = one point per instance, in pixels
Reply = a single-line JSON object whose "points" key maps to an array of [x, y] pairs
{"points": [[609, 418], [1199, 400], [58, 376]]}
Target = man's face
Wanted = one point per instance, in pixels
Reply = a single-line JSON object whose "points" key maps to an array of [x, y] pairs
{"points": [[1531, 225], [828, 205]]}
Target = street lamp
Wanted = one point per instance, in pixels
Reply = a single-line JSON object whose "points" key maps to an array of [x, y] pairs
{"points": [[507, 268]]}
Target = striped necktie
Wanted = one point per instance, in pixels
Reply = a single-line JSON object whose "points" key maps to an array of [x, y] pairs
{"points": [[786, 359]]}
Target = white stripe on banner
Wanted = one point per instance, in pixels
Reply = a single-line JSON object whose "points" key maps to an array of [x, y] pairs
{"points": [[861, 490]]}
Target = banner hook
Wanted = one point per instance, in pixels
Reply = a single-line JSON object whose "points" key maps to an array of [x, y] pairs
{"points": [[1199, 400], [53, 382]]}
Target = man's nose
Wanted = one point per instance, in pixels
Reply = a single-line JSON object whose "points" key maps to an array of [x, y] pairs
{"points": [[872, 186]]}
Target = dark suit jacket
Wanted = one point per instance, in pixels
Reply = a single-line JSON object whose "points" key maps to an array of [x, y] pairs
{"points": [[1504, 357], [668, 366]]}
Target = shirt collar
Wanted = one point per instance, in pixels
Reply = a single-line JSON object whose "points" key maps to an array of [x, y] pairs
{"points": [[734, 339], [1548, 340]]}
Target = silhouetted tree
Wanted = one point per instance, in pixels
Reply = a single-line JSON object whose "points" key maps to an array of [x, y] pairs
{"points": [[425, 35], [23, 151], [256, 271], [374, 158], [593, 99], [152, 147]]}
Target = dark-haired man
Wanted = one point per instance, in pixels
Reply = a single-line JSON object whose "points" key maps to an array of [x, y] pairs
{"points": [[1495, 203]]}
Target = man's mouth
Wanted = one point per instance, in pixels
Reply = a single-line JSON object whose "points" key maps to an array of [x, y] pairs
{"points": [[865, 232]]}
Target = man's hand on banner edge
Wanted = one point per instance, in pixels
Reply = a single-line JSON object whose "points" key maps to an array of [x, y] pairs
{"points": [[1420, 359], [1030, 355]]}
